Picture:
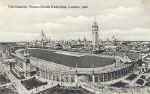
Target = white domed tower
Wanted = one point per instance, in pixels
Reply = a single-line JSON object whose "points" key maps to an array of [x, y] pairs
{"points": [[95, 35]]}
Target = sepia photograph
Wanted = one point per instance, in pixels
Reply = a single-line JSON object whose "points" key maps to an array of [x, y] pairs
{"points": [[74, 46]]}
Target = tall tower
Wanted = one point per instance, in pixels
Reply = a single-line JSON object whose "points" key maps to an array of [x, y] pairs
{"points": [[95, 36], [27, 62], [43, 39], [43, 35]]}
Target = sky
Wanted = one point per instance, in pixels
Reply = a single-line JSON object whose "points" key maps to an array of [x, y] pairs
{"points": [[126, 19]]}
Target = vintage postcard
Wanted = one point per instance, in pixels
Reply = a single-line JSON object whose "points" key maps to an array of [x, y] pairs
{"points": [[74, 46]]}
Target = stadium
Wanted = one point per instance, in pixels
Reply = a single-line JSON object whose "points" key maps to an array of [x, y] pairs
{"points": [[47, 67], [69, 69], [104, 68]]}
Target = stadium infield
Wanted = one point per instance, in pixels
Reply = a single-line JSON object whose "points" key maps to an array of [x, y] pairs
{"points": [[83, 61]]}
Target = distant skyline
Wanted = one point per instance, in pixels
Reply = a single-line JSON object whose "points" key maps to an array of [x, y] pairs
{"points": [[126, 19]]}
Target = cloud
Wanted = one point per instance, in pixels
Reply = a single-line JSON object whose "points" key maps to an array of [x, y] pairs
{"points": [[17, 36], [146, 3], [120, 17]]}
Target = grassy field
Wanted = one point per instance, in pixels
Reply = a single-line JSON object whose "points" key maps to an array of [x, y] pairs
{"points": [[71, 61]]}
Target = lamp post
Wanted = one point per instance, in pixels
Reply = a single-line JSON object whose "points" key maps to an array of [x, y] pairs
{"points": [[76, 76]]}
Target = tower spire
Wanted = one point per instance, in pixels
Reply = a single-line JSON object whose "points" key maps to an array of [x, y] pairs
{"points": [[95, 36]]}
